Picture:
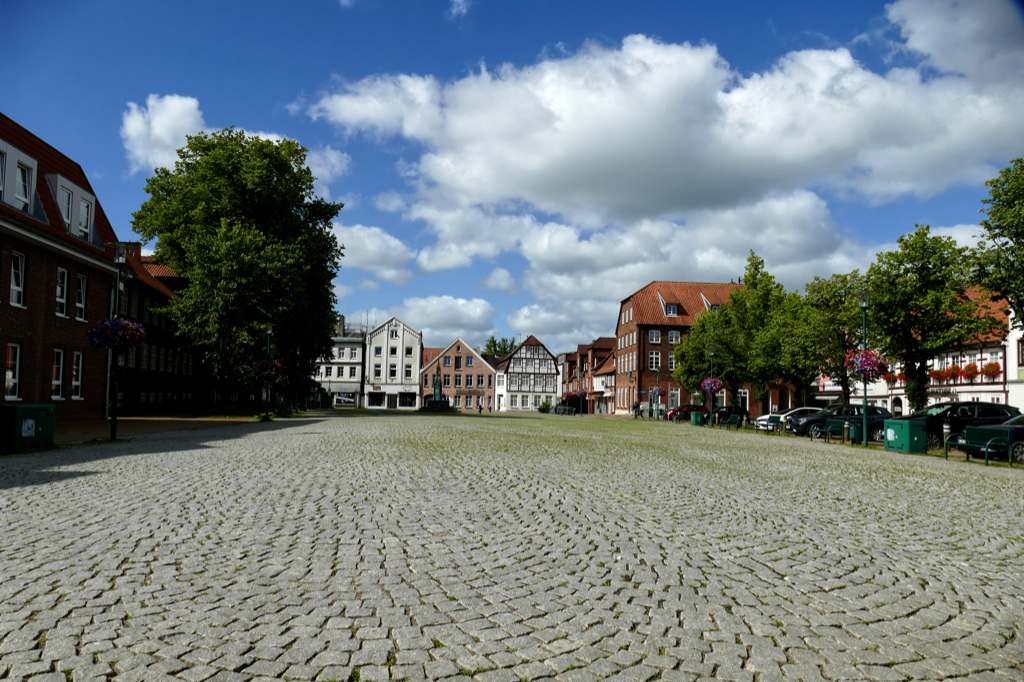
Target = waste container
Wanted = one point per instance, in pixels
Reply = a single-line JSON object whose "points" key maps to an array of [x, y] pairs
{"points": [[697, 418], [26, 427], [905, 435]]}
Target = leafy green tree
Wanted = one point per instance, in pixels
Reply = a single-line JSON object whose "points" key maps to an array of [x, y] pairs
{"points": [[499, 347], [832, 326], [238, 217], [1001, 257], [782, 348], [920, 305]]}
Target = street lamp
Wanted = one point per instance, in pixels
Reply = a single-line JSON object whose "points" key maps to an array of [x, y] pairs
{"points": [[711, 416], [120, 258], [864, 296], [266, 400]]}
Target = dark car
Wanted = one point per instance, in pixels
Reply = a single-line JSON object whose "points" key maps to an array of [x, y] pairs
{"points": [[958, 416], [723, 413], [1015, 434], [683, 412], [853, 413]]}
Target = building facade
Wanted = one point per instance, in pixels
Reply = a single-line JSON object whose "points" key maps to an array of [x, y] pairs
{"points": [[391, 370], [341, 378], [57, 278], [467, 379], [526, 378]]}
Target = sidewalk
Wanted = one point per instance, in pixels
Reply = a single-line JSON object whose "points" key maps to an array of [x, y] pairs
{"points": [[127, 427]]}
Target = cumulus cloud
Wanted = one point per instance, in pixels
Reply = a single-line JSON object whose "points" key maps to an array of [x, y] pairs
{"points": [[442, 318], [459, 8], [500, 278], [152, 134], [375, 251], [327, 165], [341, 290]]}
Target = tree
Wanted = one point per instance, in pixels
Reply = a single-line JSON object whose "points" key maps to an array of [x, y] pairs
{"points": [[921, 306], [832, 325], [499, 347], [1001, 256], [238, 217], [783, 347]]}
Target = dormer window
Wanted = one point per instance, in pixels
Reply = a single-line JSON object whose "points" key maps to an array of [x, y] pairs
{"points": [[22, 187], [671, 310], [84, 219], [64, 202]]}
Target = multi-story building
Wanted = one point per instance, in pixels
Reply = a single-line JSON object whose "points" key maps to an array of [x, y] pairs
{"points": [[579, 377], [526, 378], [467, 379], [651, 322], [602, 392], [58, 276], [392, 366], [341, 378]]}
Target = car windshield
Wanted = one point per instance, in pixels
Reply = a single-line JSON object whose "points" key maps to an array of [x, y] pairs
{"points": [[827, 410], [933, 411], [1016, 421]]}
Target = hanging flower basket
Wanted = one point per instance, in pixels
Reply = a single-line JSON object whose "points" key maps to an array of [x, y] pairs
{"points": [[119, 336], [866, 364], [566, 395], [267, 370], [992, 370], [657, 390], [969, 372], [712, 385], [581, 394], [901, 377]]}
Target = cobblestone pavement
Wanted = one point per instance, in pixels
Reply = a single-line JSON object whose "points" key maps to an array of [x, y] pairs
{"points": [[410, 547]]}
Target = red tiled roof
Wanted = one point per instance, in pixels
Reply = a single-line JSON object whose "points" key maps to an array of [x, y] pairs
{"points": [[143, 273], [157, 269], [994, 305], [689, 296], [49, 160], [607, 368], [603, 343], [428, 354]]}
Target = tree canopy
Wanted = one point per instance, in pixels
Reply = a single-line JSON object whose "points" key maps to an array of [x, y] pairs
{"points": [[1001, 256], [499, 347], [238, 217]]}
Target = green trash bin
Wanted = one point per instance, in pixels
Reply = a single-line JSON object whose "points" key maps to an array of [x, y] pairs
{"points": [[697, 418], [26, 427], [905, 435]]}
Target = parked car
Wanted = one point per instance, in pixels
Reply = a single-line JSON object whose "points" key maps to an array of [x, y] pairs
{"points": [[683, 412], [726, 411], [876, 419], [761, 423], [959, 415], [1015, 433]]}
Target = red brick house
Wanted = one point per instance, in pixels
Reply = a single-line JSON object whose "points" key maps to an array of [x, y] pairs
{"points": [[467, 379], [579, 374], [55, 275], [651, 321]]}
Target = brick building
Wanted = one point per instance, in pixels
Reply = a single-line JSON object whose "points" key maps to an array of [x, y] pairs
{"points": [[467, 379], [56, 276], [580, 376], [651, 321]]}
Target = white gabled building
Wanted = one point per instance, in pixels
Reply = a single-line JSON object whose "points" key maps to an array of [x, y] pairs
{"points": [[392, 366], [526, 377], [342, 377]]}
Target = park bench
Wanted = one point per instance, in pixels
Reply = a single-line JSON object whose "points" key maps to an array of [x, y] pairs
{"points": [[993, 440], [831, 426], [774, 424], [733, 420]]}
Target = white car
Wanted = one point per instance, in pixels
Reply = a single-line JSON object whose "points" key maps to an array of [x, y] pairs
{"points": [[761, 423]]}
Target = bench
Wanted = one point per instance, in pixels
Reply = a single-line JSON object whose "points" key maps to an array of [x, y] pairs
{"points": [[733, 420], [774, 424], [831, 426], [996, 440]]}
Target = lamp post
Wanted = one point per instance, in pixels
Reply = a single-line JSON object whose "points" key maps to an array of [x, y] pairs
{"points": [[864, 295], [120, 258], [266, 400], [711, 415]]}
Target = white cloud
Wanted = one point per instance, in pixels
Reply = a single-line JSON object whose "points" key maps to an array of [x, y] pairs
{"points": [[501, 279], [390, 202], [327, 165], [442, 318], [459, 8], [374, 250], [347, 3], [562, 325], [152, 134], [341, 290]]}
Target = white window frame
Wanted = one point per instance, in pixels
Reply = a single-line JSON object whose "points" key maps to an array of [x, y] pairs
{"points": [[57, 375], [392, 371], [328, 371], [18, 279], [131, 358], [134, 306], [62, 292], [145, 356], [408, 371], [351, 353], [671, 310], [513, 401], [352, 372], [674, 337], [64, 203], [84, 230], [77, 361], [23, 183], [671, 362], [654, 360], [377, 371], [12, 379], [80, 291], [654, 336]]}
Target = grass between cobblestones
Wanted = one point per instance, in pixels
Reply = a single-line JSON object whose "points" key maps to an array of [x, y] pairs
{"points": [[355, 546]]}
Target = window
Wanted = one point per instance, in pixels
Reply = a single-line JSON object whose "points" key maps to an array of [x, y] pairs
{"points": [[131, 358], [673, 337], [446, 380], [654, 336], [134, 312], [1020, 352], [671, 309], [145, 356], [328, 371], [65, 208], [447, 361], [376, 371], [479, 380], [671, 362], [13, 371], [458, 381], [426, 381], [536, 401], [408, 351], [458, 401], [654, 360], [22, 186], [163, 360], [145, 309], [458, 363], [80, 299], [513, 400], [394, 351], [352, 372], [501, 380], [57, 375], [84, 213], [76, 376], [392, 371], [489, 380], [351, 353], [377, 351], [743, 398], [393, 334], [469, 361], [122, 303], [17, 279], [408, 371], [62, 292]]}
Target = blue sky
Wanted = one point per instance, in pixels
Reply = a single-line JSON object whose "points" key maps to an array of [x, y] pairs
{"points": [[518, 168]]}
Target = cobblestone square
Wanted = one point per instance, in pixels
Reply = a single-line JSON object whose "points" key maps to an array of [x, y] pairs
{"points": [[505, 548]]}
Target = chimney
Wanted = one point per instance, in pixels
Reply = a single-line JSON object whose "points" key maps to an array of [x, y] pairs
{"points": [[341, 325]]}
